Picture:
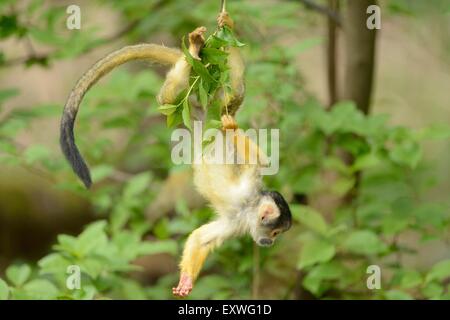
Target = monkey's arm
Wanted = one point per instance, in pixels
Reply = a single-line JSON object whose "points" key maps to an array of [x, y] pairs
{"points": [[178, 77], [198, 245]]}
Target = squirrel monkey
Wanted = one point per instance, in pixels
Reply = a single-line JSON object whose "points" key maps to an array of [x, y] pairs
{"points": [[235, 191]]}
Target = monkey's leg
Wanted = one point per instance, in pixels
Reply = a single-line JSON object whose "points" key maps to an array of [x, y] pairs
{"points": [[237, 70], [177, 78], [232, 100], [198, 245]]}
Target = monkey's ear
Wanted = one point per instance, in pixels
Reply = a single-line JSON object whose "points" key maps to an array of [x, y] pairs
{"points": [[268, 212]]}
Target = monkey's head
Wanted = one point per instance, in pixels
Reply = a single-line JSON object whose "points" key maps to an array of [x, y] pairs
{"points": [[273, 217]]}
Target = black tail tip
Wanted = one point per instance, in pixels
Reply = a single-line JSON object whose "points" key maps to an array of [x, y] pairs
{"points": [[72, 154], [87, 182]]}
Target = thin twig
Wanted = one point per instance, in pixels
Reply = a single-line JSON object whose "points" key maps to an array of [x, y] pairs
{"points": [[256, 272], [309, 4], [223, 5], [35, 56]]}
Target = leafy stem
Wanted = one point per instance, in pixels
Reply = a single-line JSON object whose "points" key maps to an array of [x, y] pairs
{"points": [[189, 91]]}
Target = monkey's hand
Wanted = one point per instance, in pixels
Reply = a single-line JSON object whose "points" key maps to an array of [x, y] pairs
{"points": [[228, 122], [196, 41], [184, 286], [224, 19]]}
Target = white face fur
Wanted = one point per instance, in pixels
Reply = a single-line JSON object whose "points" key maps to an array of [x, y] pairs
{"points": [[263, 233]]}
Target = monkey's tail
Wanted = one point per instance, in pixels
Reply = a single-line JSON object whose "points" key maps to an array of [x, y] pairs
{"points": [[150, 52]]}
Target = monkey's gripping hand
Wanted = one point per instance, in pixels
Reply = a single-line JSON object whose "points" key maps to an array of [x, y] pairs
{"points": [[224, 19]]}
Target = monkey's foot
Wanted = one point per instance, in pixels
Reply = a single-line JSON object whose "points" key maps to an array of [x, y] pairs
{"points": [[224, 19], [196, 41], [184, 286], [228, 122]]}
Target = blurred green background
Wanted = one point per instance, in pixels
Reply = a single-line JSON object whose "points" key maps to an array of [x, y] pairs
{"points": [[366, 188]]}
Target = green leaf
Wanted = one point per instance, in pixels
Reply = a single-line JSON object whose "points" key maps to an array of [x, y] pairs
{"points": [[432, 290], [36, 153], [342, 185], [174, 118], [41, 289], [214, 56], [18, 274], [186, 115], [406, 152], [92, 238], [197, 65], [365, 161], [439, 271], [431, 214], [132, 290], [137, 185], [310, 218], [305, 180], [227, 35], [213, 112], [4, 290], [9, 25], [202, 71], [315, 251], [167, 109], [162, 246], [119, 217], [11, 127], [215, 42], [93, 266], [392, 225], [87, 292], [53, 263], [364, 242], [316, 279], [101, 172], [186, 52], [327, 271], [397, 295], [7, 94], [203, 95], [66, 243], [410, 279]]}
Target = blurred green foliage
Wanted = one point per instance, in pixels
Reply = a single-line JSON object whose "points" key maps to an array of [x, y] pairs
{"points": [[330, 257]]}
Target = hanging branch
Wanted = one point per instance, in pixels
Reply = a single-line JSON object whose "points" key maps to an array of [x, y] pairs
{"points": [[33, 56]]}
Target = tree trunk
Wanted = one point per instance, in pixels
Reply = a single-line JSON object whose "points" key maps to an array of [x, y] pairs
{"points": [[333, 5], [360, 54]]}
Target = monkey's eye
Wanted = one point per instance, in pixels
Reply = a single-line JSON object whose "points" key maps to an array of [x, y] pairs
{"points": [[275, 233]]}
